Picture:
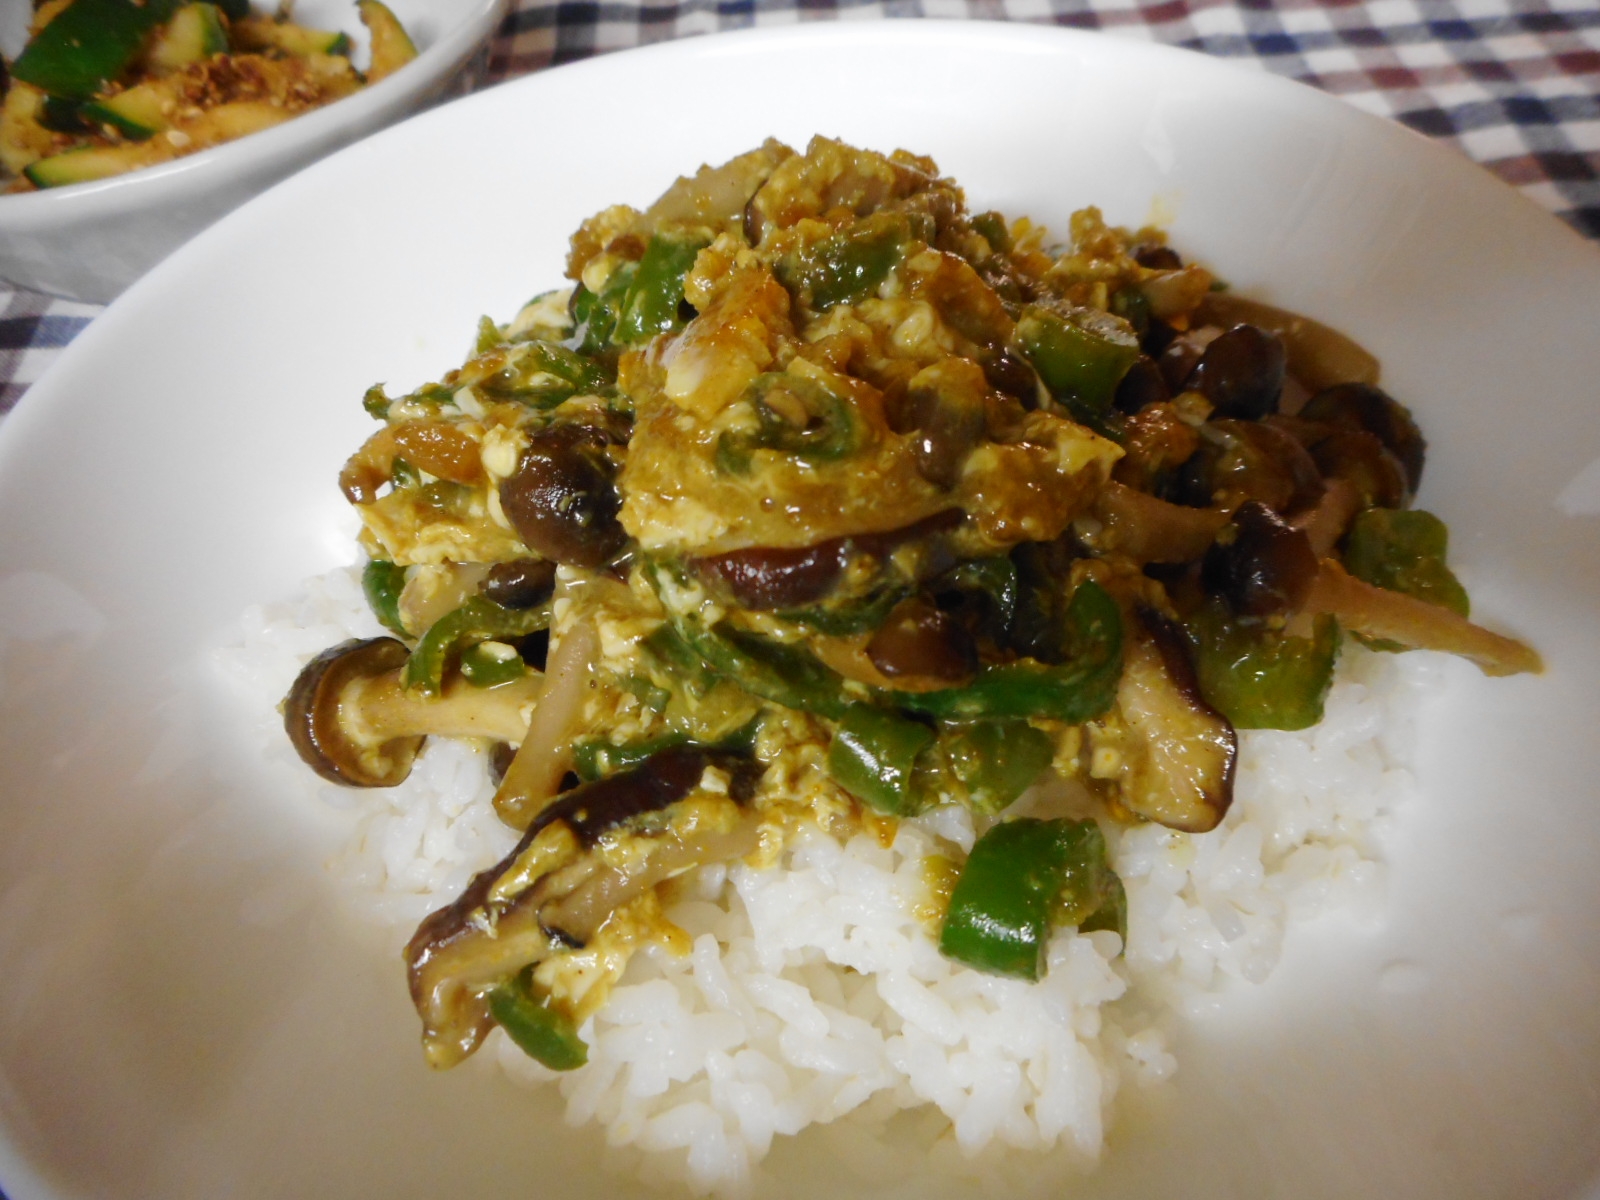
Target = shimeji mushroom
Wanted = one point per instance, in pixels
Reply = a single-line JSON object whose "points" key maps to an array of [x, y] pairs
{"points": [[586, 854], [354, 722]]}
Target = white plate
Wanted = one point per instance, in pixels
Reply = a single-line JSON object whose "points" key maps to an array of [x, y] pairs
{"points": [[184, 1014]]}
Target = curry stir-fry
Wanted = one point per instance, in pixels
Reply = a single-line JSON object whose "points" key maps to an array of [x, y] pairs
{"points": [[818, 498]]}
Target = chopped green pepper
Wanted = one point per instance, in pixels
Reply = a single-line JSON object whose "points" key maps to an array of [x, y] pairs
{"points": [[1076, 690], [872, 757], [1021, 877], [855, 615], [1261, 678], [596, 758], [1405, 550], [542, 1032], [650, 305], [831, 433], [595, 313], [479, 619], [490, 664], [995, 761], [1081, 359], [544, 374], [849, 264], [381, 583]]}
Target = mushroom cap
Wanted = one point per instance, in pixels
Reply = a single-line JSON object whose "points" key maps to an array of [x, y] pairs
{"points": [[316, 726]]}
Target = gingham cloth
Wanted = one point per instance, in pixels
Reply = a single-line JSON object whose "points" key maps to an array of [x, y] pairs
{"points": [[1513, 85]]}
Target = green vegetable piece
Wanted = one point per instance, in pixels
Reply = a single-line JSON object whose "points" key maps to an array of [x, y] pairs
{"points": [[136, 113], [1081, 360], [848, 265], [842, 618], [596, 758], [89, 44], [490, 664], [489, 336], [66, 116], [996, 761], [1405, 550], [995, 231], [786, 675], [381, 583], [996, 581], [544, 374], [872, 756], [543, 1032], [479, 619], [1022, 877], [1078, 689], [596, 312], [194, 34], [830, 433], [1261, 678], [376, 402], [774, 671], [650, 305]]}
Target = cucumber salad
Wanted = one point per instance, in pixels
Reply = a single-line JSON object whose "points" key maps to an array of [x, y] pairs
{"points": [[109, 86]]}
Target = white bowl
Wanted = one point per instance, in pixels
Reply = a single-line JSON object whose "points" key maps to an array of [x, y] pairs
{"points": [[91, 240], [185, 1009]]}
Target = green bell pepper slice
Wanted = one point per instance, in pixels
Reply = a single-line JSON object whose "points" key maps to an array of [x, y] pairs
{"points": [[850, 264], [479, 619], [1080, 360], [596, 312], [542, 1032], [650, 305], [832, 433], [1405, 550], [382, 583], [996, 761], [873, 756], [1076, 690], [1261, 678], [490, 664], [1022, 878]]}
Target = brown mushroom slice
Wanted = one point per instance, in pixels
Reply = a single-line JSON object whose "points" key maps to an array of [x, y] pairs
{"points": [[353, 722], [1147, 529], [1178, 752], [1319, 356], [593, 850], [1384, 615]]}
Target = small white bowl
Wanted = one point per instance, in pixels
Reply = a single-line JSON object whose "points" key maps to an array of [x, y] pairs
{"points": [[91, 240]]}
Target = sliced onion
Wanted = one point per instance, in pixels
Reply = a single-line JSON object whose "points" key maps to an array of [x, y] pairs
{"points": [[545, 755]]}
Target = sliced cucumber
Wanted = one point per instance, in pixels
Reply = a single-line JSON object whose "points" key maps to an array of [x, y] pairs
{"points": [[194, 34], [263, 33], [138, 113], [85, 166], [89, 44], [392, 47]]}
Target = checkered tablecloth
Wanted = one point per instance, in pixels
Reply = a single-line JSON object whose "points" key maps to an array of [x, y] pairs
{"points": [[1512, 84]]}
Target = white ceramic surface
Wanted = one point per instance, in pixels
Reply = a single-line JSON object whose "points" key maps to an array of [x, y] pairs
{"points": [[90, 241], [184, 1011]]}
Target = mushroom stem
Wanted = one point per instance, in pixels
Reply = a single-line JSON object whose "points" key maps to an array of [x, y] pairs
{"points": [[1147, 529], [1379, 613], [376, 710]]}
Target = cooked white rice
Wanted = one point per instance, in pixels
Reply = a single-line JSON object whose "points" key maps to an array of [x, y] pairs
{"points": [[813, 992]]}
